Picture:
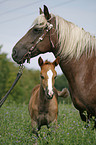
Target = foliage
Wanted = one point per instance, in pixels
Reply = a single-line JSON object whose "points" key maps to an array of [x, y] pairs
{"points": [[4, 72], [16, 127], [22, 91], [61, 82]]}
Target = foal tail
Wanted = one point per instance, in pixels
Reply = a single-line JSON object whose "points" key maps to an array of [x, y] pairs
{"points": [[64, 93]]}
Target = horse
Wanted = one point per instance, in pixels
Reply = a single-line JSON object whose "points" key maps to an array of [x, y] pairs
{"points": [[76, 49], [43, 104]]}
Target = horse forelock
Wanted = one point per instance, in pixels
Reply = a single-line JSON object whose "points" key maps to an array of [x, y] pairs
{"points": [[41, 21], [73, 40]]}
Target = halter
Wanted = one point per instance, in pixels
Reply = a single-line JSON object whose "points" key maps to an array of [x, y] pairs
{"points": [[28, 54]]}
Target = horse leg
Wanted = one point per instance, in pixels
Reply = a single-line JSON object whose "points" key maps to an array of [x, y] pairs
{"points": [[34, 124], [95, 119], [39, 127], [87, 119], [83, 117], [95, 123]]}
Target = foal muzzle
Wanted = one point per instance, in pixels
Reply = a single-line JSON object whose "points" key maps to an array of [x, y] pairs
{"points": [[49, 94]]}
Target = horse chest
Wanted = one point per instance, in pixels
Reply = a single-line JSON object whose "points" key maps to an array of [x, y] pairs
{"points": [[43, 108]]}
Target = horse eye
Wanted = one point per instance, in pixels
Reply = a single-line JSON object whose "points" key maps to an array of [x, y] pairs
{"points": [[42, 77], [37, 30], [55, 77]]}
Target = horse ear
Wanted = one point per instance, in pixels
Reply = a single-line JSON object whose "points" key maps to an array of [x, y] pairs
{"points": [[56, 61], [40, 61], [46, 13], [40, 11]]}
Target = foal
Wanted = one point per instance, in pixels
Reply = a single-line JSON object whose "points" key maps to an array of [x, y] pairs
{"points": [[43, 105]]}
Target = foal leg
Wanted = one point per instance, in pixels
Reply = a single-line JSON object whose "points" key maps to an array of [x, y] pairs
{"points": [[34, 124]]}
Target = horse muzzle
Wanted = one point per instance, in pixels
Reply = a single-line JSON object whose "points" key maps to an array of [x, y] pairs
{"points": [[18, 55], [49, 94]]}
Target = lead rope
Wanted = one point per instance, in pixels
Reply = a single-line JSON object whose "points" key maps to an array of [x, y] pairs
{"points": [[19, 74]]}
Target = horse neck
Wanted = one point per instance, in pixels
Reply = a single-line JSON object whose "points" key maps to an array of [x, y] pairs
{"points": [[70, 40], [74, 68]]}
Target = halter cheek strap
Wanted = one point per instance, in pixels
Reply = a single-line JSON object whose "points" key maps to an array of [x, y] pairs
{"points": [[29, 53]]}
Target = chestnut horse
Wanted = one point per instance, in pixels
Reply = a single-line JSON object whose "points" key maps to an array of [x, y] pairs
{"points": [[76, 49], [43, 105]]}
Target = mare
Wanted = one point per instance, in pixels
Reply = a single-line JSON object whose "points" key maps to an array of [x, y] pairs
{"points": [[76, 49], [43, 105]]}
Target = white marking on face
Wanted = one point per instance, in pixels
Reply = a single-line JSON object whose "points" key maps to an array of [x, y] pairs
{"points": [[50, 74]]}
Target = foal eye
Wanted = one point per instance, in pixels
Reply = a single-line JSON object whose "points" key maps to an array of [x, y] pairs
{"points": [[42, 77]]}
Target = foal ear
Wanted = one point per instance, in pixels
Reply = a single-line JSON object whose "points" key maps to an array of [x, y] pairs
{"points": [[40, 61], [40, 11], [56, 61], [46, 13]]}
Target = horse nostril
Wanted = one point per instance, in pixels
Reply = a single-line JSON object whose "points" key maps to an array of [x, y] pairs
{"points": [[14, 53]]}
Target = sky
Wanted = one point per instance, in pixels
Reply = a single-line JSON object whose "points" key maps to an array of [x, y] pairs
{"points": [[17, 16]]}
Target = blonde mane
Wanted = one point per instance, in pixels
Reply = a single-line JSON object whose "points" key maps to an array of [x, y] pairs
{"points": [[73, 41]]}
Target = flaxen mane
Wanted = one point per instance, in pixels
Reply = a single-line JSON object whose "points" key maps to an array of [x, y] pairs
{"points": [[72, 39]]}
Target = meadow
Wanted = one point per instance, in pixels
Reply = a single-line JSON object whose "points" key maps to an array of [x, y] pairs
{"points": [[15, 127]]}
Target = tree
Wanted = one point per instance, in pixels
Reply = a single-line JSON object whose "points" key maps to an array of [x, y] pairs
{"points": [[61, 82], [4, 72]]}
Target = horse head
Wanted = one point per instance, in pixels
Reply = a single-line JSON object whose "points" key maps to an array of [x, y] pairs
{"points": [[48, 76], [32, 44]]}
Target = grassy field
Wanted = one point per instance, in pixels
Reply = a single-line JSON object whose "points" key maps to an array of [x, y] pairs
{"points": [[15, 128]]}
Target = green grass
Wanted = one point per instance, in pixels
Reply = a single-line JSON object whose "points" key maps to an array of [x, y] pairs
{"points": [[15, 128]]}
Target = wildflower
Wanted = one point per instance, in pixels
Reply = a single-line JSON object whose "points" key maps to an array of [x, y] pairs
{"points": [[16, 141], [35, 137], [88, 124]]}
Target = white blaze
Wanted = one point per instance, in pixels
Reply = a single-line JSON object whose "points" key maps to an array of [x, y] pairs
{"points": [[50, 74]]}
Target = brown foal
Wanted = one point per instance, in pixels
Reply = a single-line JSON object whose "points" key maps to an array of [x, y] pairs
{"points": [[43, 105]]}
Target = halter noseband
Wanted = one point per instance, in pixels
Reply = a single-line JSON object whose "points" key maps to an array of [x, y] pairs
{"points": [[28, 54]]}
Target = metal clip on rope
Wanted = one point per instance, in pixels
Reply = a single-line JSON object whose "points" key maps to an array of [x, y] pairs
{"points": [[19, 74]]}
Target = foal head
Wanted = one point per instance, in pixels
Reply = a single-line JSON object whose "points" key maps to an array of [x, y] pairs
{"points": [[48, 75]]}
